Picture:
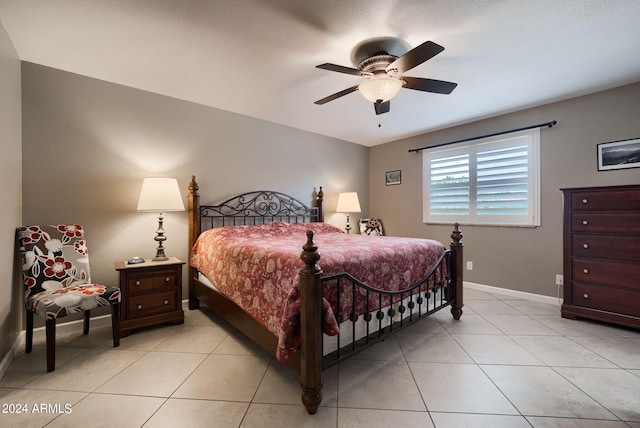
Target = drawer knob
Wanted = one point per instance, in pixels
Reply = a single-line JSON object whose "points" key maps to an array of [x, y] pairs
{"points": [[585, 270], [139, 307], [585, 222], [166, 302], [585, 245], [167, 279], [138, 282], [585, 295], [585, 201]]}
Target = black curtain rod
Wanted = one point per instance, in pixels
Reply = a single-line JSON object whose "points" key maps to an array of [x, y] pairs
{"points": [[548, 124]]}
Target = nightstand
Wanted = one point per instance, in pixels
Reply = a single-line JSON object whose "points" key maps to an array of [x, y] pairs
{"points": [[151, 294]]}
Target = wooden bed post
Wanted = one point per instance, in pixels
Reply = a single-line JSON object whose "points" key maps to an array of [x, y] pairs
{"points": [[319, 205], [456, 250], [193, 201], [311, 326]]}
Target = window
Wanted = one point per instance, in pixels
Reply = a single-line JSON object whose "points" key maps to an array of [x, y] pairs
{"points": [[493, 181]]}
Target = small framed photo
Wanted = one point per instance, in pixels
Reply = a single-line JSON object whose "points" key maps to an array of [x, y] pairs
{"points": [[619, 155], [393, 177]]}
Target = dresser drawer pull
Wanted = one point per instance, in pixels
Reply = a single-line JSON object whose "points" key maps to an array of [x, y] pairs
{"points": [[138, 282], [166, 302], [585, 201], [585, 295], [585, 222], [139, 307], [167, 279], [585, 245], [585, 270]]}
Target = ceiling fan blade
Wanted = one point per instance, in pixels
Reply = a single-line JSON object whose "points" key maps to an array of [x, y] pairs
{"points": [[337, 95], [342, 69], [429, 85], [415, 57], [382, 107]]}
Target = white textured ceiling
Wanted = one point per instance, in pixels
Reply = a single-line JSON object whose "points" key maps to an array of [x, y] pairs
{"points": [[258, 57]]}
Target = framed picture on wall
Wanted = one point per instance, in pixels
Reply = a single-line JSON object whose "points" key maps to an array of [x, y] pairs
{"points": [[619, 154], [393, 177]]}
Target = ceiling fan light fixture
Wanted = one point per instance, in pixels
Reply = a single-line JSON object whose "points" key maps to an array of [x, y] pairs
{"points": [[380, 88]]}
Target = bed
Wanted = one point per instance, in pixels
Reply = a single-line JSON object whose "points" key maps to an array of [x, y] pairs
{"points": [[305, 291]]}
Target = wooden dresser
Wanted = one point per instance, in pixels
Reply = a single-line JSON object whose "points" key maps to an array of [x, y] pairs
{"points": [[151, 293], [602, 254]]}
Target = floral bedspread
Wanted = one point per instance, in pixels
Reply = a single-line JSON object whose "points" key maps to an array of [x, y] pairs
{"points": [[257, 267]]}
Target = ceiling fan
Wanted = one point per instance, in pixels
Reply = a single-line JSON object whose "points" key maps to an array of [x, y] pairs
{"points": [[383, 68]]}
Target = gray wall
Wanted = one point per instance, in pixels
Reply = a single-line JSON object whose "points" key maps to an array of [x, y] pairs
{"points": [[88, 144], [514, 258], [10, 192]]}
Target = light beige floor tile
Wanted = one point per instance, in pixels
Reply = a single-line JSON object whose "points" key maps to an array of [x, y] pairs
{"points": [[467, 324], [147, 338], [432, 348], [541, 422], [462, 388], [491, 307], [96, 337], [108, 411], [617, 389], [236, 343], [357, 418], [495, 349], [540, 391], [530, 307], [560, 351], [619, 350], [392, 388], [471, 420], [428, 325], [27, 367], [279, 416], [386, 350], [156, 374], [198, 414], [225, 377], [30, 403], [473, 294], [579, 327], [519, 324], [194, 338], [88, 371]]}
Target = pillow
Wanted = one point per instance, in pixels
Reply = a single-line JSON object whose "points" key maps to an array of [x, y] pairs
{"points": [[371, 226]]}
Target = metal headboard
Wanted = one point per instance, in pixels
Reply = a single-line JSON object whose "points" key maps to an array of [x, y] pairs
{"points": [[260, 207]]}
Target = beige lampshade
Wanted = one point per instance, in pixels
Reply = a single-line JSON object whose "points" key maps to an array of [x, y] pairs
{"points": [[348, 203], [160, 195]]}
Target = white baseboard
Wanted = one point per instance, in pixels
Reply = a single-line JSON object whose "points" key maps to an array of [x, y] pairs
{"points": [[15, 348], [514, 293]]}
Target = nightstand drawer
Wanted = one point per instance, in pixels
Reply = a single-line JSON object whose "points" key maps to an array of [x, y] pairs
{"points": [[142, 281], [151, 304]]}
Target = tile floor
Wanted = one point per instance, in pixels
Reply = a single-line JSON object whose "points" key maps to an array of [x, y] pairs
{"points": [[507, 363]]}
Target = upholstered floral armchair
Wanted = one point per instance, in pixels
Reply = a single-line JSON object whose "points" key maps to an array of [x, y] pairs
{"points": [[57, 281]]}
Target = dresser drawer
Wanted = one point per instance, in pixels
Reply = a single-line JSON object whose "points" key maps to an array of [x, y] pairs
{"points": [[613, 299], [617, 247], [623, 274], [606, 222], [615, 200], [150, 304], [143, 281]]}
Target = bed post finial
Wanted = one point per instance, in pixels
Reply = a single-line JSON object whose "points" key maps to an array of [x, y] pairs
{"points": [[456, 247], [311, 326], [193, 204], [319, 204]]}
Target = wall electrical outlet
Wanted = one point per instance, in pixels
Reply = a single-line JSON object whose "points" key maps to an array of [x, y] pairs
{"points": [[469, 265], [559, 279]]}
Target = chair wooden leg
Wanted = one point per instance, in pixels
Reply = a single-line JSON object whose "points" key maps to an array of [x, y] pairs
{"points": [[29, 339], [51, 344], [115, 324], [87, 316]]}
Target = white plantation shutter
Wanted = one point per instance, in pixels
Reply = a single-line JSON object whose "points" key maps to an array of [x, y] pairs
{"points": [[491, 181]]}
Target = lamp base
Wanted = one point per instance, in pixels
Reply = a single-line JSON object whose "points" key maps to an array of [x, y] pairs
{"points": [[160, 238], [348, 226]]}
